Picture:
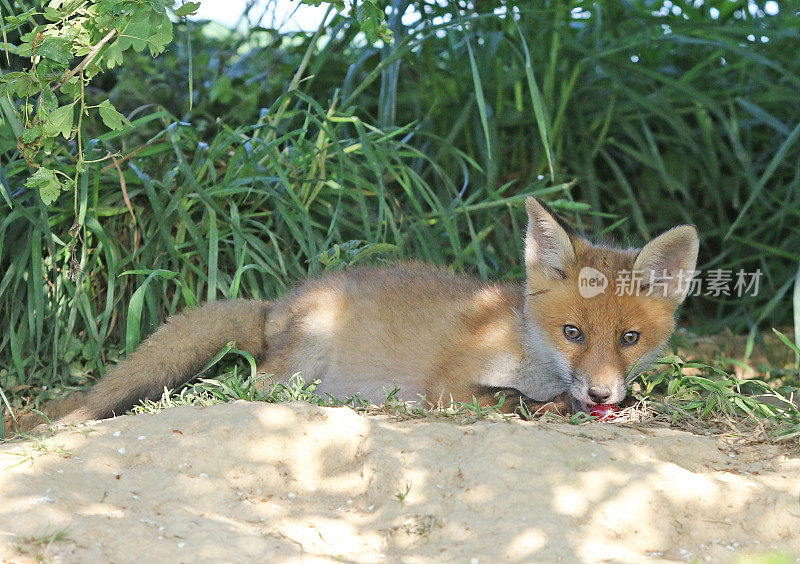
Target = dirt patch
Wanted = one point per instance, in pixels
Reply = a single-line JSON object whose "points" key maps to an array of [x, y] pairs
{"points": [[251, 481]]}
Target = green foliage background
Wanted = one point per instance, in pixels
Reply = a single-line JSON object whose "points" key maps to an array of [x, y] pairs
{"points": [[236, 174]]}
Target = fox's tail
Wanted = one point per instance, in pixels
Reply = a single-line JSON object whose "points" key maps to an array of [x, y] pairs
{"points": [[169, 357]]}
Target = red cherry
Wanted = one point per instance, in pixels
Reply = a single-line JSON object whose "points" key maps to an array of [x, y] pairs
{"points": [[604, 410]]}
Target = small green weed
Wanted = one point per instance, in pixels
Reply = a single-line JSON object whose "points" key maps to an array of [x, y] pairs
{"points": [[42, 544], [402, 494], [699, 394]]}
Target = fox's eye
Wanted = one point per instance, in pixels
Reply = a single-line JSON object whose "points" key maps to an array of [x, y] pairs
{"points": [[629, 337], [573, 333]]}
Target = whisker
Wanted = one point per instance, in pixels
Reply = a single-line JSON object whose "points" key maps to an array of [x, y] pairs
{"points": [[536, 293]]}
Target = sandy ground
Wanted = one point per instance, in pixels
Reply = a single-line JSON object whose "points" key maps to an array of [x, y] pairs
{"points": [[297, 483]]}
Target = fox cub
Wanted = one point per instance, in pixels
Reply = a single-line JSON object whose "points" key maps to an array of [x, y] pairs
{"points": [[571, 330]]}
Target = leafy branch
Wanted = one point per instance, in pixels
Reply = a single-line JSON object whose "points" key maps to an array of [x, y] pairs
{"points": [[370, 15], [45, 93]]}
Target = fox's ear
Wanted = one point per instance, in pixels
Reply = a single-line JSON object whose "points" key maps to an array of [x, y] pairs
{"points": [[548, 248], [667, 263]]}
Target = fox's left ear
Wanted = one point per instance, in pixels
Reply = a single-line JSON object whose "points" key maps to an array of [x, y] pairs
{"points": [[667, 263], [548, 248]]}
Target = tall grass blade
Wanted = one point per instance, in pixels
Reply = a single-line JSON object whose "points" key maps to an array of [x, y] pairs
{"points": [[539, 109], [481, 100]]}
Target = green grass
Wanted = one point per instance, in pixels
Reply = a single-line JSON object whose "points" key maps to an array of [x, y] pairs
{"points": [[711, 399], [233, 386]]}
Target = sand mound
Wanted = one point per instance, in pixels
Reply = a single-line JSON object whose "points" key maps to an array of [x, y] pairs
{"points": [[249, 481]]}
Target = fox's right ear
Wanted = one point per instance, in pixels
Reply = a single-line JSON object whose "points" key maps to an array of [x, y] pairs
{"points": [[548, 248], [668, 262]]}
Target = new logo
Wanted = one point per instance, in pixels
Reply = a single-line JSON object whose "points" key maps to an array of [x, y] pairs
{"points": [[591, 282]]}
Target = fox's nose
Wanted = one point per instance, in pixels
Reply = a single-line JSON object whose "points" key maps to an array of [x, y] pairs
{"points": [[599, 394]]}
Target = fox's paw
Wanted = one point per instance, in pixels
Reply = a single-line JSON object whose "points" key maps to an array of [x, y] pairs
{"points": [[559, 405]]}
